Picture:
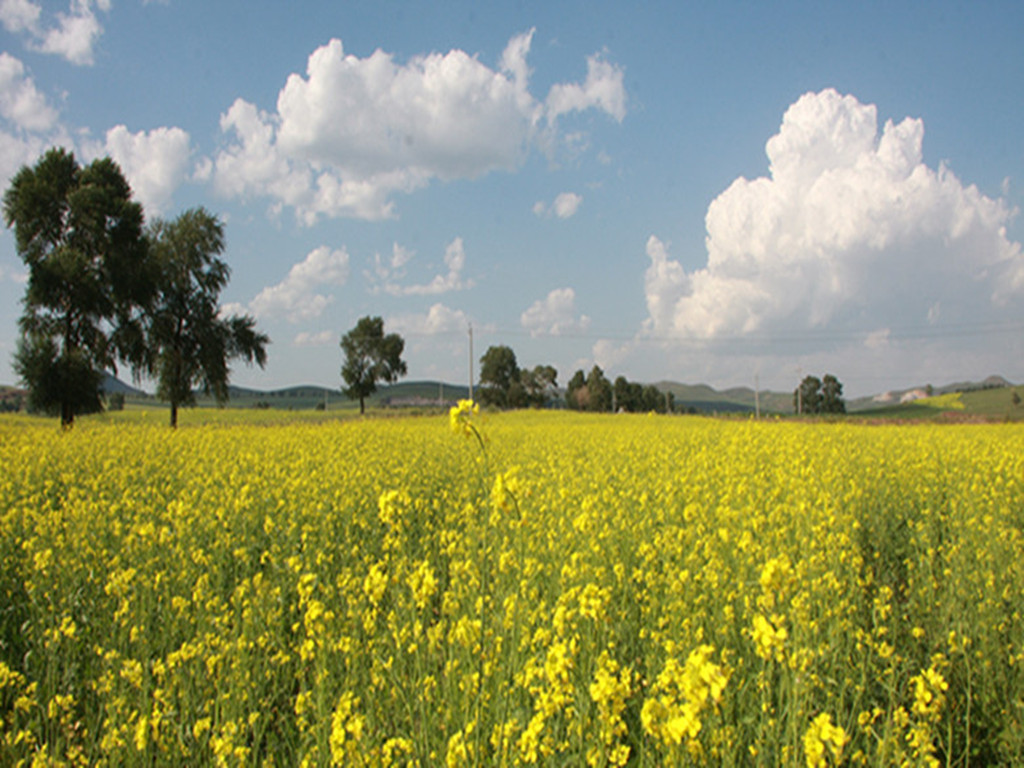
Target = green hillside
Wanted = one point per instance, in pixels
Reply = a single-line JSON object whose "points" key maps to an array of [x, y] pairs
{"points": [[990, 403]]}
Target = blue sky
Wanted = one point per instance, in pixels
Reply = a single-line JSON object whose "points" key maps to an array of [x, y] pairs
{"points": [[697, 192]]}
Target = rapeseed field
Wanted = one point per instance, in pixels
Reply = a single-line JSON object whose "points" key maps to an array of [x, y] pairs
{"points": [[516, 589]]}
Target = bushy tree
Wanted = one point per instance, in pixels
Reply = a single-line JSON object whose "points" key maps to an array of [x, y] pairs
{"points": [[576, 394], [188, 343], [657, 401], [815, 396], [79, 232], [370, 357], [832, 395], [599, 391], [540, 385], [499, 373], [807, 396]]}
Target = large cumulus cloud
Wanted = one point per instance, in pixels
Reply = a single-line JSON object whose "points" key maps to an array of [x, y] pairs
{"points": [[354, 131], [850, 230]]}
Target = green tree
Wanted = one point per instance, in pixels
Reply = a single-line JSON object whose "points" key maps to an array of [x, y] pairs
{"points": [[807, 397], [370, 356], [628, 395], [832, 395], [540, 384], [576, 395], [656, 400], [188, 344], [89, 279], [499, 371], [599, 391]]}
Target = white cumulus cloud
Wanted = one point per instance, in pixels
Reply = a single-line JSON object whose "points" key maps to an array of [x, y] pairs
{"points": [[437, 320], [72, 35], [451, 280], [29, 122], [20, 102], [19, 15], [352, 132], [849, 229], [554, 315], [299, 296], [603, 89], [154, 162], [564, 206], [319, 339]]}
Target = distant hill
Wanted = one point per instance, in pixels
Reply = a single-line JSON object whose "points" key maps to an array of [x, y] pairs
{"points": [[706, 399], [112, 385], [984, 397]]}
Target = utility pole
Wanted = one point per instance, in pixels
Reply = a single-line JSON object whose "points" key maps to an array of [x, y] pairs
{"points": [[470, 361], [757, 396]]}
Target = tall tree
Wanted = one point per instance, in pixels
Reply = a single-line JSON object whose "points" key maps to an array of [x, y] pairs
{"points": [[499, 371], [599, 390], [540, 384], [370, 356], [189, 345], [807, 397], [832, 395], [89, 279], [576, 395]]}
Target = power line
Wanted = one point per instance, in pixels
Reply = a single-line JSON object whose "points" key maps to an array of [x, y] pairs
{"points": [[792, 336]]}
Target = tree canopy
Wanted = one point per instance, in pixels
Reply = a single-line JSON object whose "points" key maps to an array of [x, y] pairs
{"points": [[499, 373], [79, 232], [188, 343], [370, 357], [815, 395]]}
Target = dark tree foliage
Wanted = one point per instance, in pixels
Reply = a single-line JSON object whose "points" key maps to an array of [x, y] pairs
{"points": [[499, 378], [189, 344], [815, 396], [807, 397], [540, 385], [370, 356], [638, 398], [599, 391], [628, 395], [89, 279], [832, 395], [576, 395]]}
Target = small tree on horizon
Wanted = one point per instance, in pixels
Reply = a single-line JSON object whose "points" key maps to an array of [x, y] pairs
{"points": [[370, 356]]}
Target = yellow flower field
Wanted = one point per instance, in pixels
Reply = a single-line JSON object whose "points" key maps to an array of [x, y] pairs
{"points": [[529, 588]]}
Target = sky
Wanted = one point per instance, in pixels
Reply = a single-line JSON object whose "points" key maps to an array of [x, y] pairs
{"points": [[731, 193]]}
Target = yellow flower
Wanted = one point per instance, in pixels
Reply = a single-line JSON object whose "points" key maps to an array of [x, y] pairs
{"points": [[768, 639], [423, 584], [460, 417], [375, 583], [822, 735]]}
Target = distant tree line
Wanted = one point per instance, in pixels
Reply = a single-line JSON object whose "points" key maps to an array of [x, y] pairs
{"points": [[505, 385], [594, 392], [103, 288]]}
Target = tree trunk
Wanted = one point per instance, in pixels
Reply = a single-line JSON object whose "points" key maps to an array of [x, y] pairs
{"points": [[362, 406], [67, 415], [174, 414]]}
